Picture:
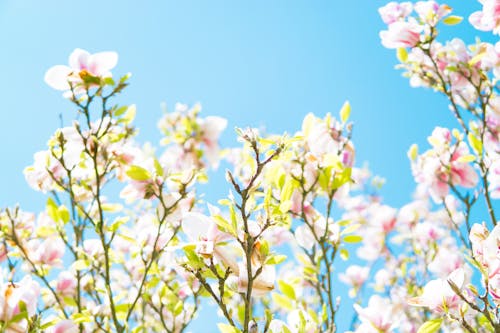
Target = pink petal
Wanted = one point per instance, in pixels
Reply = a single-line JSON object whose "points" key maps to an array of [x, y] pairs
{"points": [[57, 77], [101, 63], [79, 59]]}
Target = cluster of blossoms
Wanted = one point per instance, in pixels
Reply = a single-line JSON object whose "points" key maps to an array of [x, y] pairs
{"points": [[126, 244], [439, 270]]}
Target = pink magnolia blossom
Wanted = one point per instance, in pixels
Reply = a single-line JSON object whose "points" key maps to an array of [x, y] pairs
{"points": [[324, 140], [307, 239], [488, 19], [494, 179], [395, 11], [205, 234], [211, 128], [3, 253], [66, 283], [64, 326], [401, 34], [438, 294], [81, 63], [431, 12], [49, 252], [11, 294], [355, 276], [444, 164], [378, 314], [38, 176]]}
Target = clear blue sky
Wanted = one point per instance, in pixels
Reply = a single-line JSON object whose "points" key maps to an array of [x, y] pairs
{"points": [[257, 63]]}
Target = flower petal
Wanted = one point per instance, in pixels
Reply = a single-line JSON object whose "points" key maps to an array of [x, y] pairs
{"points": [[195, 225], [79, 59], [57, 77], [101, 63]]}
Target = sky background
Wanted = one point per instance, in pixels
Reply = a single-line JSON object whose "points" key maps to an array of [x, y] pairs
{"points": [[258, 63]]}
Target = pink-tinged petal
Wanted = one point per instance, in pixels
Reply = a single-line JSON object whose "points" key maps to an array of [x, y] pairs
{"points": [[57, 77], [467, 176], [101, 63], [196, 226], [304, 237], [79, 59], [65, 326], [212, 126]]}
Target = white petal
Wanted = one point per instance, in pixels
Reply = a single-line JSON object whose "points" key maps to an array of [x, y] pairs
{"points": [[195, 225], [79, 59], [304, 237], [57, 77], [101, 63]]}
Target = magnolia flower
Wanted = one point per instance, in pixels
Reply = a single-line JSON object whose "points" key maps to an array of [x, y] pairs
{"points": [[205, 234], [261, 285], [48, 252], [307, 239], [438, 295], [355, 276], [378, 313], [64, 326], [66, 283], [394, 11], [488, 19], [39, 175], [11, 295], [494, 179], [431, 12], [401, 34], [211, 128], [81, 64], [443, 164]]}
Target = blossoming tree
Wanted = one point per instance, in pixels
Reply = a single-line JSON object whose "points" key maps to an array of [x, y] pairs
{"points": [[127, 244]]}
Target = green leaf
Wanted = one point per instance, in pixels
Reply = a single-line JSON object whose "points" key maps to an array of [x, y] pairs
{"points": [[282, 301], [80, 264], [63, 213], [81, 318], [413, 152], [342, 178], [475, 143], [431, 326], [402, 54], [52, 209], [466, 158], [121, 110], [350, 229], [276, 259], [129, 115], [48, 324], [452, 20], [117, 223], [224, 225], [353, 239], [234, 219], [344, 254], [287, 190], [225, 328], [68, 300], [158, 168], [108, 81], [138, 173], [477, 58], [286, 289], [193, 259], [345, 112]]}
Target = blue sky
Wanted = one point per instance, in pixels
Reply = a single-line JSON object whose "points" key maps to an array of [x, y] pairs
{"points": [[258, 63]]}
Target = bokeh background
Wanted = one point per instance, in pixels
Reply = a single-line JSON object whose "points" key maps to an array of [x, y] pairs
{"points": [[258, 63]]}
